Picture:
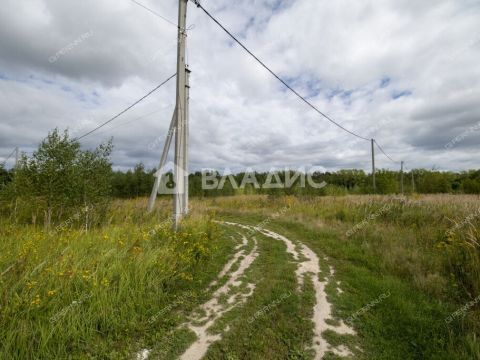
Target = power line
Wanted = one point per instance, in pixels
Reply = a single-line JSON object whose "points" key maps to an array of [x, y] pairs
{"points": [[8, 157], [128, 108], [133, 120], [384, 153], [197, 3], [275, 75], [155, 13]]}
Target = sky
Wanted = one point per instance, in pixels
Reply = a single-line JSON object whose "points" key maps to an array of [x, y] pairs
{"points": [[406, 73]]}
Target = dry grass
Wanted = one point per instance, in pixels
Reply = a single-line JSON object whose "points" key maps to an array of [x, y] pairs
{"points": [[412, 237]]}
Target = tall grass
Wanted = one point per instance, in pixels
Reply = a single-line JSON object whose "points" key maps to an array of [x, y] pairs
{"points": [[431, 242], [69, 293], [74, 294], [420, 236]]}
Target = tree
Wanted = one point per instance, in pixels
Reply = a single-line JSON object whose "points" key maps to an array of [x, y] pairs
{"points": [[386, 182], [60, 179], [471, 182], [5, 176]]}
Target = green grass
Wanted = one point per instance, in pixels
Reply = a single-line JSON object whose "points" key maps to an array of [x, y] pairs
{"points": [[133, 290], [98, 295], [282, 331], [385, 256]]}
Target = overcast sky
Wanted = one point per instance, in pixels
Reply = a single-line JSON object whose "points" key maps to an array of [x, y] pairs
{"points": [[404, 72]]}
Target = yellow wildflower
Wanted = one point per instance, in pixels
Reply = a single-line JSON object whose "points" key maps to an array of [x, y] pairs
{"points": [[51, 292], [36, 300], [136, 250]]}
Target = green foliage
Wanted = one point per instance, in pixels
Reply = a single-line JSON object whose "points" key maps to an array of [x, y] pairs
{"points": [[434, 182], [5, 176], [471, 182], [58, 180], [387, 182]]}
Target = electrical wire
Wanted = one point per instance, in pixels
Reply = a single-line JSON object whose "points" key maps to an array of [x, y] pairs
{"points": [[197, 3], [8, 157], [384, 153], [131, 121], [128, 108], [155, 13]]}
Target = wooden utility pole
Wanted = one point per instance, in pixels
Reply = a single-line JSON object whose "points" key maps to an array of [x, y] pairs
{"points": [[179, 128], [373, 167], [413, 183], [401, 175]]}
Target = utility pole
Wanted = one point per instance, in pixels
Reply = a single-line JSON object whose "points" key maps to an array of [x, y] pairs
{"points": [[17, 157], [186, 137], [401, 175], [179, 128], [373, 167], [413, 183], [180, 134]]}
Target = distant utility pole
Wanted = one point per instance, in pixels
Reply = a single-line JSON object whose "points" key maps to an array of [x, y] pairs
{"points": [[17, 156], [413, 183], [179, 127], [373, 167], [401, 175]]}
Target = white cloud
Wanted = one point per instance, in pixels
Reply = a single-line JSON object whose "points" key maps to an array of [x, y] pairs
{"points": [[338, 53]]}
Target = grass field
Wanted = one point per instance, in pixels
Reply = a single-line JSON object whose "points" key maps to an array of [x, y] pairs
{"points": [[402, 277]]}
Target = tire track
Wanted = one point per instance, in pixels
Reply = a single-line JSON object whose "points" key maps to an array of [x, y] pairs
{"points": [[309, 267], [214, 309]]}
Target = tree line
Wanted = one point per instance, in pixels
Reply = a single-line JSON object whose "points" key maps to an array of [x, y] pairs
{"points": [[60, 178], [139, 182]]}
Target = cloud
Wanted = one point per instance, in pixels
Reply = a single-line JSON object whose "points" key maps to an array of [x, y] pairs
{"points": [[405, 73]]}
